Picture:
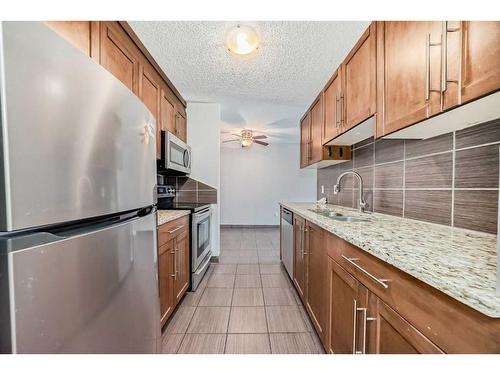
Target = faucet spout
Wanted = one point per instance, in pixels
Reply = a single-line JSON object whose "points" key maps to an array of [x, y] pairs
{"points": [[337, 188]]}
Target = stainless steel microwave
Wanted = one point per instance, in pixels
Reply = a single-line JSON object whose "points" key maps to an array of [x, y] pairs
{"points": [[175, 155]]}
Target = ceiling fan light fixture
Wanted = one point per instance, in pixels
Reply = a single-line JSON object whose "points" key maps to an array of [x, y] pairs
{"points": [[246, 142], [242, 40]]}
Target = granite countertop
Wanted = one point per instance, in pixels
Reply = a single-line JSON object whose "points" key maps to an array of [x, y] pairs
{"points": [[164, 216], [459, 262]]}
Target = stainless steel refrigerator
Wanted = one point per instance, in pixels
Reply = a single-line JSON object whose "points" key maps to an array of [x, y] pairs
{"points": [[78, 261]]}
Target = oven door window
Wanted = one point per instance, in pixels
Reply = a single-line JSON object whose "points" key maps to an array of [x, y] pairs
{"points": [[203, 230]]}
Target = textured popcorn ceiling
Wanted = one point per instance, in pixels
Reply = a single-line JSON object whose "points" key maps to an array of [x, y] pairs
{"points": [[268, 90]]}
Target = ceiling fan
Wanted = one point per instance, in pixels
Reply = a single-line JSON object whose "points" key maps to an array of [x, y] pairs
{"points": [[246, 138]]}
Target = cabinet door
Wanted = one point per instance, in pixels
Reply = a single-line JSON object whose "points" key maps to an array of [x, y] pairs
{"points": [[82, 34], [316, 141], [408, 73], [317, 269], [180, 128], [359, 81], [397, 336], [347, 298], [166, 257], [150, 94], [119, 55], [181, 267], [167, 119], [480, 59], [305, 136], [299, 259], [332, 108]]}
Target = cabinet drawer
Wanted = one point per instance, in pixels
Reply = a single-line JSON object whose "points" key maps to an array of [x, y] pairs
{"points": [[169, 230], [432, 312]]}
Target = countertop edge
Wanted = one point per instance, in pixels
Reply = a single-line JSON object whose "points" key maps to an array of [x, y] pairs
{"points": [[166, 216]]}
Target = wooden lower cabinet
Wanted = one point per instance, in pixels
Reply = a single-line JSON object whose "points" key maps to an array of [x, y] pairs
{"points": [[316, 273], [166, 261], [299, 260], [173, 264]]}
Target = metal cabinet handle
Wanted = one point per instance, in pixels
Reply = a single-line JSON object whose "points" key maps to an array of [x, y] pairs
{"points": [[176, 262], [302, 241], [342, 110], [444, 54], [381, 282], [354, 323], [175, 230], [174, 275], [428, 45], [337, 114]]}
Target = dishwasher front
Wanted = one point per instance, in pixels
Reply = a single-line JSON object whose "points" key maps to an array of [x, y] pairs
{"points": [[287, 240]]}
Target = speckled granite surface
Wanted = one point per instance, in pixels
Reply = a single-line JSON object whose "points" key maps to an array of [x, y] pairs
{"points": [[164, 216], [458, 262]]}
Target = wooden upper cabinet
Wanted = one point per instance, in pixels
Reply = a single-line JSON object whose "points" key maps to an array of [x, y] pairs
{"points": [[166, 258], [150, 95], [358, 98], [181, 126], [408, 73], [299, 259], [480, 59], [316, 141], [332, 108], [119, 55], [82, 34], [347, 298], [317, 269], [305, 136]]}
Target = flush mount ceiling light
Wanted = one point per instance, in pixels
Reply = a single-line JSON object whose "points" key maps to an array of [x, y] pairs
{"points": [[242, 40]]}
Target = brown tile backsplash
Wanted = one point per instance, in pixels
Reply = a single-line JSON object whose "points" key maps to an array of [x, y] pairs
{"points": [[429, 172], [428, 205], [423, 179], [476, 209], [415, 147], [192, 191], [388, 150], [477, 167]]}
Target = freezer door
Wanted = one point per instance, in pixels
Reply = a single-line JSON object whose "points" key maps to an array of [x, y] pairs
{"points": [[92, 292], [76, 143]]}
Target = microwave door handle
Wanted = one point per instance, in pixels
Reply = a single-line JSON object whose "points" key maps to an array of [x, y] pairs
{"points": [[186, 158]]}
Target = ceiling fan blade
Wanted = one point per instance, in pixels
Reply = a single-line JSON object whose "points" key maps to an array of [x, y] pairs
{"points": [[236, 135], [262, 143], [231, 140], [260, 137]]}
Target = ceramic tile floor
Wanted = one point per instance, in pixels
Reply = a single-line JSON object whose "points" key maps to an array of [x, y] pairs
{"points": [[246, 304]]}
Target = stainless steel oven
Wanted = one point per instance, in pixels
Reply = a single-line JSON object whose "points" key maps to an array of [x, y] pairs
{"points": [[201, 248], [175, 155]]}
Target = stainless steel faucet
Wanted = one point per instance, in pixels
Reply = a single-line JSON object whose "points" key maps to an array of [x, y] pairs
{"points": [[361, 201]]}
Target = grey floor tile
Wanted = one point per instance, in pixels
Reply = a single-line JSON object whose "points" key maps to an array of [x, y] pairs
{"points": [[293, 343], [248, 297], [216, 297], [271, 269], [209, 320], [285, 319], [279, 297], [247, 269], [171, 343], [247, 320], [220, 269], [221, 281], [203, 344], [247, 281], [275, 281], [254, 343], [179, 321]]}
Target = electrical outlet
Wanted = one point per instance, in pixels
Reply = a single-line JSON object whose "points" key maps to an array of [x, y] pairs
{"points": [[322, 189]]}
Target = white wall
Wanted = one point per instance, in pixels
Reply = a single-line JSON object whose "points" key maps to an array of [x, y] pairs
{"points": [[203, 123], [255, 180]]}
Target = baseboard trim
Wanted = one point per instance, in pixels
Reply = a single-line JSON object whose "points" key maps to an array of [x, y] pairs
{"points": [[214, 259], [232, 226]]}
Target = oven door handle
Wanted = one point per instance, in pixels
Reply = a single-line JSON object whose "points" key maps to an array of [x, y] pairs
{"points": [[201, 213]]}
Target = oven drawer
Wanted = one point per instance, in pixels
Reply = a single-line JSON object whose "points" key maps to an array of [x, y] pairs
{"points": [[172, 229]]}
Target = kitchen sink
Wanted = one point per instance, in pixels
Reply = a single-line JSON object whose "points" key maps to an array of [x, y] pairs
{"points": [[337, 216]]}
